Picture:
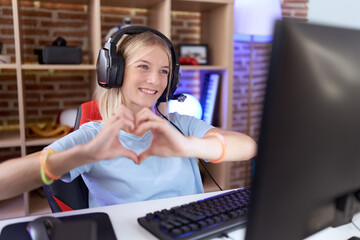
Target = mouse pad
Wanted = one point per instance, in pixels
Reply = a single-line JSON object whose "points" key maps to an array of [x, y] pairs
{"points": [[105, 230]]}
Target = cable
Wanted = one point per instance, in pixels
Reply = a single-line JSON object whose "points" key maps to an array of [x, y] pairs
{"points": [[200, 160], [208, 173]]}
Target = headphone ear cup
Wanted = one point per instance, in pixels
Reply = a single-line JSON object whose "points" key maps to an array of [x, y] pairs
{"points": [[110, 68], [102, 67]]}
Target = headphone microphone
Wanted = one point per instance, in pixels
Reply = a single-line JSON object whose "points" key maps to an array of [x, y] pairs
{"points": [[110, 64]]}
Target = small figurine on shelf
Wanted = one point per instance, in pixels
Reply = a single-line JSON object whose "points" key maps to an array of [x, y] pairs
{"points": [[196, 51], [4, 58], [46, 130], [188, 61], [126, 22]]}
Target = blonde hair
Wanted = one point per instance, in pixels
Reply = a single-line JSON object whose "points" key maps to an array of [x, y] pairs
{"points": [[111, 99]]}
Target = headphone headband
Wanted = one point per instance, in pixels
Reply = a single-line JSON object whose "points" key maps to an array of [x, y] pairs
{"points": [[111, 65]]}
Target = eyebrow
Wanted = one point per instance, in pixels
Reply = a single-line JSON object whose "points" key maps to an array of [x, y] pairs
{"points": [[144, 61]]}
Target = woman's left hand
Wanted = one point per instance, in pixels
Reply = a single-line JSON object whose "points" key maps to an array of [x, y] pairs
{"points": [[166, 142]]}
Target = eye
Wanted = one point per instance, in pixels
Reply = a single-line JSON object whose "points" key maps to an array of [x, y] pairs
{"points": [[164, 72], [145, 67]]}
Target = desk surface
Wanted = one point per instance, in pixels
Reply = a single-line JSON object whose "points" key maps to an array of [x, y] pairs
{"points": [[124, 219]]}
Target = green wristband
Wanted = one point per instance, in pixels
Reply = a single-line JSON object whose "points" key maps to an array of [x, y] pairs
{"points": [[43, 177]]}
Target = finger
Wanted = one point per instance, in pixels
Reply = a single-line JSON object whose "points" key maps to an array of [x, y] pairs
{"points": [[119, 120], [150, 125], [122, 153], [123, 123], [148, 121], [112, 129], [145, 115], [130, 154], [126, 111], [144, 155]]}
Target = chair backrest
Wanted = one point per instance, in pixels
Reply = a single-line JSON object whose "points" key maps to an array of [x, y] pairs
{"points": [[74, 195]]}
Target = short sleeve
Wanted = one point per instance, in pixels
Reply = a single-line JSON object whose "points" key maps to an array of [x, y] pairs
{"points": [[190, 126], [81, 136]]}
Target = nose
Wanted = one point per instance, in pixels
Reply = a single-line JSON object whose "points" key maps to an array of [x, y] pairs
{"points": [[154, 78]]}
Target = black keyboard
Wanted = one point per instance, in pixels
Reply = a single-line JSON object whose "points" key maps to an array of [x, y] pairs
{"points": [[202, 219]]}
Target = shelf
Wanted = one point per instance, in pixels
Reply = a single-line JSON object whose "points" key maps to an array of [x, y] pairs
{"points": [[58, 67], [38, 203], [202, 67], [8, 66], [131, 3], [197, 5], [10, 139], [80, 2], [12, 208]]}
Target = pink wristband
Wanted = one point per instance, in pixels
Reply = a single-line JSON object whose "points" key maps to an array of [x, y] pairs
{"points": [[223, 145]]}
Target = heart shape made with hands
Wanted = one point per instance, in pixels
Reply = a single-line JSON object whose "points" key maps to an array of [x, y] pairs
{"points": [[166, 142]]}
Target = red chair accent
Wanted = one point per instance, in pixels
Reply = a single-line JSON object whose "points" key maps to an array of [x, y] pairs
{"points": [[87, 112]]}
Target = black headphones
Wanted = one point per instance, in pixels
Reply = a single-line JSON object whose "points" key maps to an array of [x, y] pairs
{"points": [[111, 65]]}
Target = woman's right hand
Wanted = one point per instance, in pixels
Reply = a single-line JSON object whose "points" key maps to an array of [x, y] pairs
{"points": [[106, 144]]}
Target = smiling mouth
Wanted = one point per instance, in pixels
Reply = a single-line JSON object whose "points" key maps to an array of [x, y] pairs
{"points": [[148, 91]]}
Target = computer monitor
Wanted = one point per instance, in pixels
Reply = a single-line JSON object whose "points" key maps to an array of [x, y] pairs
{"points": [[307, 172]]}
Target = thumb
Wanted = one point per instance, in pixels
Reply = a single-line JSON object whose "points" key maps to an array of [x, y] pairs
{"points": [[144, 155], [130, 154]]}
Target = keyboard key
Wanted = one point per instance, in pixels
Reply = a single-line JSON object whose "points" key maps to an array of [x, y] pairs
{"points": [[233, 214], [202, 224], [149, 216], [185, 229], [193, 226], [224, 217], [166, 226], [175, 223], [217, 219], [191, 216], [183, 221], [210, 221], [176, 232]]}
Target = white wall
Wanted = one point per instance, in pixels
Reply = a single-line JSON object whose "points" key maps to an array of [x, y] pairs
{"points": [[342, 13]]}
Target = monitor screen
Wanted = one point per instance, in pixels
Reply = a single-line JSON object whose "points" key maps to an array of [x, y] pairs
{"points": [[307, 172]]}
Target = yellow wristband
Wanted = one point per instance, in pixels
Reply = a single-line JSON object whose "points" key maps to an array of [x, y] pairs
{"points": [[223, 145], [44, 155]]}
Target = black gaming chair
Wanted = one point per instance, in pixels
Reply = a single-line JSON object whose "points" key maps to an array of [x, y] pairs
{"points": [[75, 195]]}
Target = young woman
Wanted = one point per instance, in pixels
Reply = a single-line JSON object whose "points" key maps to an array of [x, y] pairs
{"points": [[134, 154]]}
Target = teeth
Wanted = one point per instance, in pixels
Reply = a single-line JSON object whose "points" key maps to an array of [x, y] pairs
{"points": [[148, 91]]}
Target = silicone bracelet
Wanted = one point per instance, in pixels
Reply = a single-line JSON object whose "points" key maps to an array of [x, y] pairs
{"points": [[43, 177], [223, 145], [44, 155]]}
